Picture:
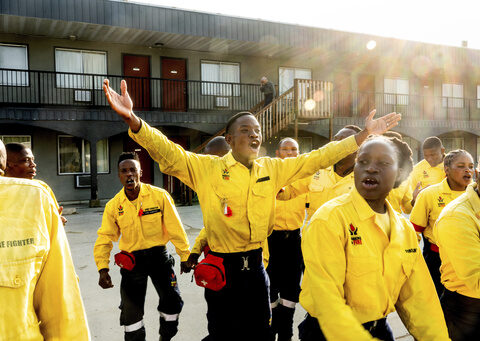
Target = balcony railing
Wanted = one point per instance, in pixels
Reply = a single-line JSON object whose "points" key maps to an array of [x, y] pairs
{"points": [[64, 89], [46, 88]]}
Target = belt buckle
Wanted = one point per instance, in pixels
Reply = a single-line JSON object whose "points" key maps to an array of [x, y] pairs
{"points": [[245, 263]]}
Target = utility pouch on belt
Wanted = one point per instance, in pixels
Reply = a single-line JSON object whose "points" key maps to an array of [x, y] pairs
{"points": [[210, 273], [125, 260]]}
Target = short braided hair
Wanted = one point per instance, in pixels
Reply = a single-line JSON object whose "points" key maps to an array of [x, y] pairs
{"points": [[452, 156]]}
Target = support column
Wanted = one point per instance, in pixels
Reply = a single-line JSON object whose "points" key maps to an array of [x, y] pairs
{"points": [[94, 202]]}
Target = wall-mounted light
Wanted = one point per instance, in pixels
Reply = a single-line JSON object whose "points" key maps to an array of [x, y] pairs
{"points": [[72, 37]]}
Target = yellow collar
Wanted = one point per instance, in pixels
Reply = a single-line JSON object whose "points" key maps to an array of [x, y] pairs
{"points": [[143, 192]]}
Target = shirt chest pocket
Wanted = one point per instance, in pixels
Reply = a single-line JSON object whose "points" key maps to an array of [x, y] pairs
{"points": [[152, 222], [19, 273]]}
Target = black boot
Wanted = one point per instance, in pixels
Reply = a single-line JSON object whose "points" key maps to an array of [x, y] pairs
{"points": [[285, 323], [137, 335]]}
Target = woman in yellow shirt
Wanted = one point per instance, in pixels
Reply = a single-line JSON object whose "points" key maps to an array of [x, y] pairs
{"points": [[430, 202], [362, 259]]}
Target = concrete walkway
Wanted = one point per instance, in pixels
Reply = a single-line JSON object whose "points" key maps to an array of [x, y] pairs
{"points": [[102, 305]]}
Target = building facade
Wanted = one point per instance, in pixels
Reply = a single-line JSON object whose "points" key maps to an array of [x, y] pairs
{"points": [[188, 72]]}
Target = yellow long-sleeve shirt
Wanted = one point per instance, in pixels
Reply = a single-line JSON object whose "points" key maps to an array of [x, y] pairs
{"points": [[426, 174], [39, 292], [457, 233], [159, 224], [222, 182], [50, 191], [355, 274], [430, 202], [327, 185], [290, 214], [401, 198]]}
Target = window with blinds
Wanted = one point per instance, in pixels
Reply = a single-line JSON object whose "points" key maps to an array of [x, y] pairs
{"points": [[452, 95], [223, 76], [14, 57], [395, 91]]}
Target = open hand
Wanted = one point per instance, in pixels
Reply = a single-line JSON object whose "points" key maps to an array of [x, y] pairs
{"points": [[122, 104], [382, 124]]}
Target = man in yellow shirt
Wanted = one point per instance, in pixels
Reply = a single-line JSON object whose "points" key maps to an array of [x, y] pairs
{"points": [[362, 259], [237, 194], [430, 170], [457, 234], [21, 164], [145, 218], [285, 264], [39, 292], [431, 201]]}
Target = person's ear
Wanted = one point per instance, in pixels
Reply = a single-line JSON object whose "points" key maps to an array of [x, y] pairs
{"points": [[443, 151], [277, 154], [229, 139]]}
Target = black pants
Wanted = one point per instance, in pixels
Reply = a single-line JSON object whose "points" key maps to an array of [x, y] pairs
{"points": [[267, 99], [433, 261], [462, 315], [157, 264], [285, 268], [241, 310], [309, 330]]}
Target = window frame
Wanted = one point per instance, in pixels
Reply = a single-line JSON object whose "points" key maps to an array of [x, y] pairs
{"points": [[83, 157], [220, 62], [448, 102], [397, 97], [88, 88], [292, 68], [16, 135], [27, 70]]}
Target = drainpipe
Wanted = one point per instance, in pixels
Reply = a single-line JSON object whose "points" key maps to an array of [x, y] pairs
{"points": [[94, 202]]}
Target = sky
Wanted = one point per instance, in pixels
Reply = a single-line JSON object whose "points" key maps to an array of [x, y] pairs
{"points": [[439, 22]]}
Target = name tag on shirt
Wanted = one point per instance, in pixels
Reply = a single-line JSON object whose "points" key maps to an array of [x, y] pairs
{"points": [[265, 178], [152, 210]]}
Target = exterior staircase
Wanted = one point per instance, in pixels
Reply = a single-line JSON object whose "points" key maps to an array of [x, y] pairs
{"points": [[308, 100]]}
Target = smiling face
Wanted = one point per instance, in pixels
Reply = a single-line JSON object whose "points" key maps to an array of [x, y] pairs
{"points": [[376, 169], [245, 139], [129, 173], [21, 164], [460, 172], [288, 148]]}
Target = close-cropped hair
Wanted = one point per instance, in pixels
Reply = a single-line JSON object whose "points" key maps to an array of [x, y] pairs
{"points": [[432, 142], [452, 156], [15, 147], [353, 127], [279, 145], [235, 117], [127, 156], [404, 157]]}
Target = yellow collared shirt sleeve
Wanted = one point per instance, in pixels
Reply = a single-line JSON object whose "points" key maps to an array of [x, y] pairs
{"points": [[421, 210], [171, 157], [200, 242], [109, 232], [305, 165], [295, 189], [174, 228], [459, 240], [418, 305], [57, 299], [322, 294]]}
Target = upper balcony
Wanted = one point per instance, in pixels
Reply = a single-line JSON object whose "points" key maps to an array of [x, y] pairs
{"points": [[47, 89], [73, 90]]}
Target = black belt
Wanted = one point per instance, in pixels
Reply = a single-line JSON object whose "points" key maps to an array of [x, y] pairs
{"points": [[464, 303], [150, 251], [243, 261], [372, 325]]}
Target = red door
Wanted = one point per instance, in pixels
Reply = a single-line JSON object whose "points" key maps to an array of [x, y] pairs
{"points": [[366, 94], [174, 86], [146, 161], [136, 70]]}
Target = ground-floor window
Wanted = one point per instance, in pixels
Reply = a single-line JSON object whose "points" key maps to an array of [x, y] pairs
{"points": [[24, 139], [74, 155]]}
